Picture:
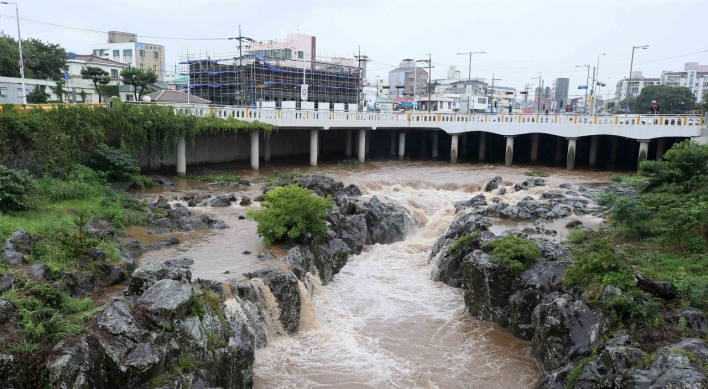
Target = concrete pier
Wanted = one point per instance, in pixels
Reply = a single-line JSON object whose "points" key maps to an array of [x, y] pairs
{"points": [[266, 147], [453, 148], [482, 138], [362, 146], [660, 148], [435, 144], [594, 142], [254, 149], [643, 152], [402, 145], [181, 157], [572, 147], [509, 157], [349, 144], [314, 147], [534, 148]]}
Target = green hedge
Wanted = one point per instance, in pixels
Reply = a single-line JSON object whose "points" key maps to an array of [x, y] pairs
{"points": [[59, 138]]}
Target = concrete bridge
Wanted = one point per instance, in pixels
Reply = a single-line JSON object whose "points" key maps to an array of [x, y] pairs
{"points": [[565, 129]]}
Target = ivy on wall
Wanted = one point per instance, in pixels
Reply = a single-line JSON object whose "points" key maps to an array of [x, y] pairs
{"points": [[48, 140]]}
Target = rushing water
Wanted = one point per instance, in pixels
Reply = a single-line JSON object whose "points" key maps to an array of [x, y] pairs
{"points": [[382, 323]]}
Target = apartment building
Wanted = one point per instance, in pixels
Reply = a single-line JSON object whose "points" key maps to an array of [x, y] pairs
{"points": [[124, 48]]}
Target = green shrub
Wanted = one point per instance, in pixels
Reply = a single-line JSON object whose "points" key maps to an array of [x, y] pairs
{"points": [[577, 236], [282, 178], [293, 211], [117, 165], [16, 187], [577, 370], [462, 242], [537, 174], [597, 265], [518, 252], [218, 176]]}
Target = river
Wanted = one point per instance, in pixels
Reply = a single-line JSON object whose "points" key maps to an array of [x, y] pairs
{"points": [[382, 323]]}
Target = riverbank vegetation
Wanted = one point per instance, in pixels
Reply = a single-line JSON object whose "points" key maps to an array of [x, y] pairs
{"points": [[651, 264]]}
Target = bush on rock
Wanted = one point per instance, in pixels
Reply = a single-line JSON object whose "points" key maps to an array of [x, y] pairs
{"points": [[293, 211], [518, 252]]}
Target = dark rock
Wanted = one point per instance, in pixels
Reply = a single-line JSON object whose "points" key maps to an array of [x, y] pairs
{"points": [[321, 185], [242, 217], [501, 192], [486, 285], [177, 263], [216, 224], [72, 364], [172, 240], [161, 226], [162, 181], [663, 289], [166, 301], [6, 281], [574, 224], [566, 329], [113, 274], [17, 246], [245, 201], [220, 201], [478, 200], [565, 185], [40, 272], [188, 197], [493, 184], [8, 313], [245, 182], [673, 368], [327, 255], [259, 198], [145, 276], [133, 247], [286, 291], [101, 229], [695, 319], [551, 232], [571, 193], [556, 379], [610, 292], [351, 229], [162, 203], [386, 223], [266, 256], [531, 287], [246, 253], [553, 251], [562, 210], [552, 195], [178, 213], [352, 190]]}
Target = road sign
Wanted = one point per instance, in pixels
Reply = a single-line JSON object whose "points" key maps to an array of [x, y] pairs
{"points": [[654, 106], [468, 90], [66, 76], [568, 108], [303, 92], [582, 87]]}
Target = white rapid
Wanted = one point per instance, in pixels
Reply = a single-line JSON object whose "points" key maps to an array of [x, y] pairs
{"points": [[383, 323]]}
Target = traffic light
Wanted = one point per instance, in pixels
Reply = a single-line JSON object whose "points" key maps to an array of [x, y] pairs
{"points": [[495, 104], [523, 93], [600, 83], [544, 106], [508, 93]]}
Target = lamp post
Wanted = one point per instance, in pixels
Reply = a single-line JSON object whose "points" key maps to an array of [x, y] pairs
{"points": [[594, 81], [469, 69], [585, 103], [631, 65], [491, 103], [22, 62], [430, 66]]}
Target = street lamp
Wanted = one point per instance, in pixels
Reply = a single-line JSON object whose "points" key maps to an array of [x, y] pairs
{"points": [[430, 66], [631, 65], [585, 103], [594, 81], [19, 40], [469, 71]]}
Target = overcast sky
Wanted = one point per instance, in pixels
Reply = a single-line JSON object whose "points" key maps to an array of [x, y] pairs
{"points": [[520, 37]]}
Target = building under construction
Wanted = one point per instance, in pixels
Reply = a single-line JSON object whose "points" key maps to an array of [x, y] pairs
{"points": [[271, 74]]}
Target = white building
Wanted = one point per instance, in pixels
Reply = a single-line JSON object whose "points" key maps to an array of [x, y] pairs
{"points": [[693, 77], [124, 48], [11, 90], [76, 62], [635, 84]]}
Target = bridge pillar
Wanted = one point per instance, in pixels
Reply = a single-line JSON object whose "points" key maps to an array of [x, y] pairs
{"points": [[314, 146], [254, 150], [660, 148], [349, 144], [266, 147], [643, 151], [453, 148], [368, 143], [362, 146], [559, 149], [393, 144], [594, 141], [572, 145], [613, 152], [534, 148], [509, 157], [482, 138], [435, 144], [402, 145], [181, 157]]}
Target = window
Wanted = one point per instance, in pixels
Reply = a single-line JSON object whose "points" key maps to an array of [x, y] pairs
{"points": [[155, 54], [114, 73], [116, 53], [300, 54], [3, 92], [142, 53], [20, 93], [154, 67], [482, 100], [142, 66], [127, 52]]}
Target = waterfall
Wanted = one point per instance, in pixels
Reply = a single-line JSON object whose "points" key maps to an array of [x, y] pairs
{"points": [[308, 318], [271, 311]]}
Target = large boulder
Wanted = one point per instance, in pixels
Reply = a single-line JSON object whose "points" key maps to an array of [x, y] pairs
{"points": [[146, 276], [17, 246], [321, 185], [676, 366], [286, 291], [166, 301], [8, 313], [663, 289], [386, 223], [566, 329], [529, 290], [6, 282], [325, 256], [475, 201], [220, 201], [487, 285], [351, 229], [493, 184]]}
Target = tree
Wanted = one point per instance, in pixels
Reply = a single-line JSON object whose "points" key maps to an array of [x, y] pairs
{"points": [[43, 61], [97, 76], [685, 165], [671, 99], [704, 102], [139, 79], [109, 90], [38, 95], [83, 96], [59, 90]]}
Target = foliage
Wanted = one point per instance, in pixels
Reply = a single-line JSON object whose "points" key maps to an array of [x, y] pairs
{"points": [[38, 95], [537, 174], [684, 165], [462, 242], [630, 179], [108, 91], [577, 236], [282, 178], [16, 187], [83, 96], [59, 138], [519, 253], [97, 76], [59, 91], [216, 176], [139, 79], [671, 99], [115, 164], [43, 61], [293, 211], [630, 210], [577, 370]]}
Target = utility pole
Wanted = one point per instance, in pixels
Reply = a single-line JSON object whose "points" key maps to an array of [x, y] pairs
{"points": [[540, 92], [430, 67], [240, 39], [491, 105], [469, 72], [364, 59], [22, 62]]}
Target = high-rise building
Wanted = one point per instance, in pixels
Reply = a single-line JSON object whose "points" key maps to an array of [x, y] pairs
{"points": [[561, 88], [693, 77], [401, 80], [633, 85], [124, 47]]}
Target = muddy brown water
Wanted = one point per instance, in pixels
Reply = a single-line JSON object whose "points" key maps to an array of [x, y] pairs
{"points": [[381, 323]]}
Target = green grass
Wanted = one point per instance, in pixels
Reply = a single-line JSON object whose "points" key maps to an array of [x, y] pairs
{"points": [[462, 242], [537, 174], [630, 179], [577, 370], [216, 176], [519, 253], [577, 236], [282, 178]]}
